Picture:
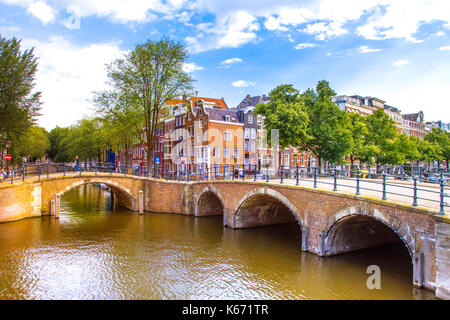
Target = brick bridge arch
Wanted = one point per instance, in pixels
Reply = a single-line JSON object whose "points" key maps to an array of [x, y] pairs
{"points": [[122, 194], [125, 188], [377, 228], [209, 202], [265, 206]]}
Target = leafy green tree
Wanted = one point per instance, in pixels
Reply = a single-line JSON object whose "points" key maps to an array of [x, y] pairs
{"points": [[358, 130], [330, 136], [144, 80], [85, 140], [285, 112], [56, 152], [380, 138], [19, 104], [442, 139], [34, 143]]}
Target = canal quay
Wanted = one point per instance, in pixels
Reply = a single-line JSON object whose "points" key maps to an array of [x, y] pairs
{"points": [[117, 236]]}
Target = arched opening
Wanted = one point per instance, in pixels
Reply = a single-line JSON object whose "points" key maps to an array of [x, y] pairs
{"points": [[209, 204], [262, 210], [357, 232], [115, 196]]}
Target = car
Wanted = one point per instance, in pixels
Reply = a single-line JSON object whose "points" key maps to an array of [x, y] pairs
{"points": [[435, 178]]}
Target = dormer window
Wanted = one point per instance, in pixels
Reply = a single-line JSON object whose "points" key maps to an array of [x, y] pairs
{"points": [[250, 119], [227, 118]]}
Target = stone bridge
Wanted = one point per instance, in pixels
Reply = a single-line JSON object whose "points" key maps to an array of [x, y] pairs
{"points": [[331, 222]]}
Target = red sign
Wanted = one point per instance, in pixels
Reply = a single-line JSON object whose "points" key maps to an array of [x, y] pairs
{"points": [[8, 157]]}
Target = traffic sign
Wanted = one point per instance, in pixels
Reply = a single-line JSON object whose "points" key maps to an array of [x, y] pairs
{"points": [[8, 157], [157, 159]]}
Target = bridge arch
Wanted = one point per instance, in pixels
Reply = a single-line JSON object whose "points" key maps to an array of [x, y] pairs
{"points": [[209, 202], [356, 228], [264, 206], [122, 195]]}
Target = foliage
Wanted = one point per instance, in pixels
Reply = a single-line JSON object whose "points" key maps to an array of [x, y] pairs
{"points": [[34, 144], [19, 105], [330, 136], [141, 83], [286, 113]]}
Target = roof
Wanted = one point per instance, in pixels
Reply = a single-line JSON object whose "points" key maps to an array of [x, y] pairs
{"points": [[252, 101], [217, 102], [219, 114]]}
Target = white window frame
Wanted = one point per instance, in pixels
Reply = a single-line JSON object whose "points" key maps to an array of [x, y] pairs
{"points": [[226, 152]]}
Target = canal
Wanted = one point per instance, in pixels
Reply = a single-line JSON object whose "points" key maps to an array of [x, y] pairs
{"points": [[93, 252]]}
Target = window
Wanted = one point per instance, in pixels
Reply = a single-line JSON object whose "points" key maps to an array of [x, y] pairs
{"points": [[246, 146], [246, 133], [286, 160], [227, 118], [216, 152], [205, 136], [228, 136], [226, 152], [189, 116], [253, 133], [250, 119], [236, 152], [253, 146]]}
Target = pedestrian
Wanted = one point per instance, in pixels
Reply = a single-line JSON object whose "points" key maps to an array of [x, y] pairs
{"points": [[118, 166], [3, 174], [77, 163]]}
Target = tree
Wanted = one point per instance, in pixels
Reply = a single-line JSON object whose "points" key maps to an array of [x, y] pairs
{"points": [[143, 81], [286, 113], [358, 131], [56, 152], [84, 139], [331, 138], [380, 138], [34, 143], [19, 105], [442, 139]]}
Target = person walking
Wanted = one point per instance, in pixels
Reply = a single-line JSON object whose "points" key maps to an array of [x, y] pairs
{"points": [[77, 163], [118, 166]]}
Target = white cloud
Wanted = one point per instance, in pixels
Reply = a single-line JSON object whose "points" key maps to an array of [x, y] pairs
{"points": [[42, 11], [445, 48], [242, 83], [439, 34], [401, 20], [305, 45], [366, 49], [401, 62], [324, 31], [191, 67], [67, 75], [231, 61]]}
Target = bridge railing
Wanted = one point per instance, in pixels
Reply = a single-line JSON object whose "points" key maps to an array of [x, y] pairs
{"points": [[412, 185]]}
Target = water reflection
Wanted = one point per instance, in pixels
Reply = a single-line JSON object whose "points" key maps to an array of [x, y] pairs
{"points": [[93, 253]]}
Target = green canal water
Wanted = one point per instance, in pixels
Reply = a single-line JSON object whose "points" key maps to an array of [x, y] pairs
{"points": [[93, 253]]}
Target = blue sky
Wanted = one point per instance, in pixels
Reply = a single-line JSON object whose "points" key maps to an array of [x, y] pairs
{"points": [[395, 50]]}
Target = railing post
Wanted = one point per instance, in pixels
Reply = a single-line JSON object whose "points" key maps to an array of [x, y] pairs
{"points": [[215, 172], [357, 181], [315, 177], [223, 169], [243, 172], [296, 175], [369, 172], [167, 174], [384, 187], [178, 175], [442, 203], [47, 170], [281, 174], [39, 172], [415, 193], [254, 176], [207, 173], [335, 181], [232, 172], [267, 172], [187, 176]]}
